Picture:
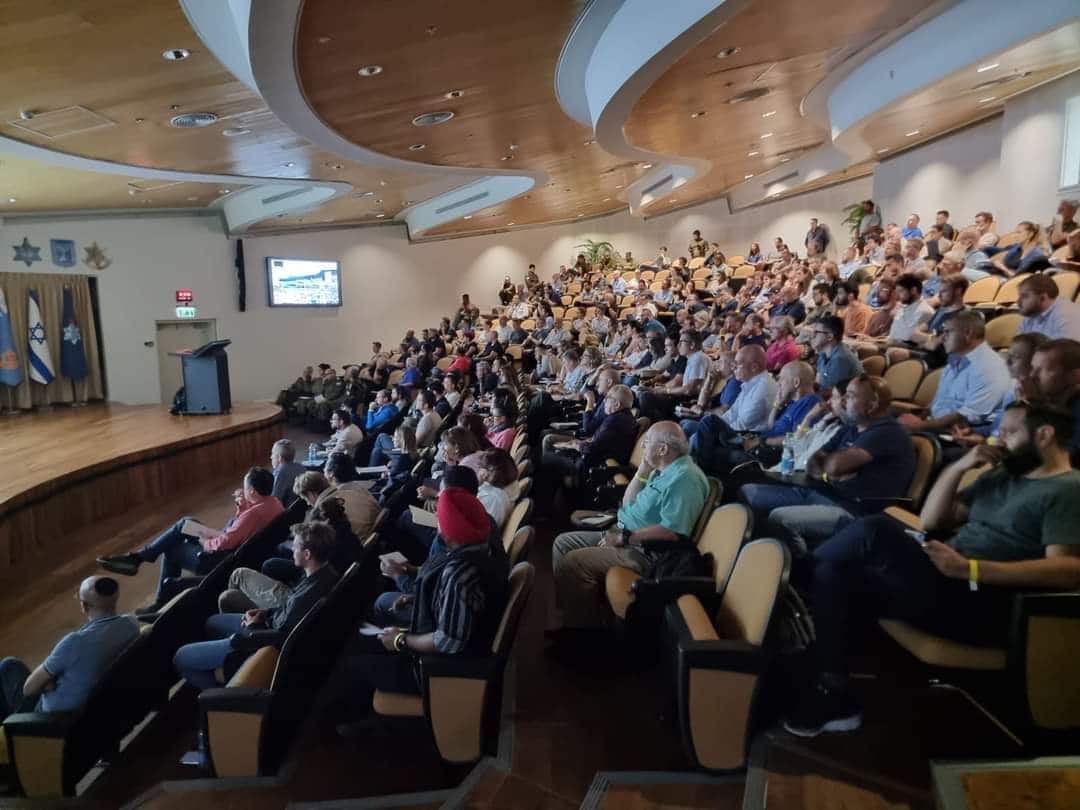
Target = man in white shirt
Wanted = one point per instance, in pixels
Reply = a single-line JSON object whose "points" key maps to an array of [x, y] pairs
{"points": [[911, 311], [1044, 312], [346, 435], [659, 404]]}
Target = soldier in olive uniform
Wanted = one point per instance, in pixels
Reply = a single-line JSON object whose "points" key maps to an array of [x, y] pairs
{"points": [[288, 397], [333, 394], [699, 247], [305, 407]]}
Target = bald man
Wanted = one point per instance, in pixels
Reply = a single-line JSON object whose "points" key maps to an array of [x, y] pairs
{"points": [[63, 682], [662, 502], [867, 463]]}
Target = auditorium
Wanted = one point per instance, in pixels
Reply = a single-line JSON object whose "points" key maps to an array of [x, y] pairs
{"points": [[602, 404]]}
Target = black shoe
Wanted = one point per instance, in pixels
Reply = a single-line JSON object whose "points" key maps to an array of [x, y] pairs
{"points": [[124, 564], [824, 710]]}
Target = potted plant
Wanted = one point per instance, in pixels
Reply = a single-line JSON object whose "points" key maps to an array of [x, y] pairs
{"points": [[595, 251], [853, 215]]}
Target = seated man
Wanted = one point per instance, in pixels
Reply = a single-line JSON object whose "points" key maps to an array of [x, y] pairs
{"points": [[64, 680], [1055, 378], [381, 412], [1044, 311], [660, 402], [749, 413], [662, 502], [795, 398], [782, 348], [855, 314], [330, 398], [973, 382], [285, 468], [910, 314], [312, 546], [346, 435], [836, 363], [459, 601], [1015, 530], [256, 507], [302, 387], [871, 459]]}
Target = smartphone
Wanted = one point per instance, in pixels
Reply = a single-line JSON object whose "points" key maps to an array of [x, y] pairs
{"points": [[917, 536]]}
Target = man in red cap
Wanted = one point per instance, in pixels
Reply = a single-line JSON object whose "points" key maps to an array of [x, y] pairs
{"points": [[459, 600]]}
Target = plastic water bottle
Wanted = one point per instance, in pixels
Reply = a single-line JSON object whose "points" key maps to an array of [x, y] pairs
{"points": [[787, 460], [312, 452]]}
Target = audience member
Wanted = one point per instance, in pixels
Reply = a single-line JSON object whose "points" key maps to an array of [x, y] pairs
{"points": [[1045, 311], [285, 469]]}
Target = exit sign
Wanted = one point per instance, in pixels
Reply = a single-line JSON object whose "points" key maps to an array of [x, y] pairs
{"points": [[184, 296], [186, 312]]}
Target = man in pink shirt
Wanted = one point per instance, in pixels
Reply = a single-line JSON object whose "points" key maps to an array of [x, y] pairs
{"points": [[782, 349], [256, 506]]}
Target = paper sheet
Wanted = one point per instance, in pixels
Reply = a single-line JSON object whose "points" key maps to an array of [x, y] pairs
{"points": [[422, 517]]}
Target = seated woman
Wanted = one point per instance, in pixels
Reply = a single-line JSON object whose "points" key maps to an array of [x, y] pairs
{"points": [[496, 471], [313, 544], [402, 458], [457, 604], [501, 428], [1028, 254]]}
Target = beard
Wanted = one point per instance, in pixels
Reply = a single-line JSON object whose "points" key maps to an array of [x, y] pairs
{"points": [[849, 418], [1022, 461]]}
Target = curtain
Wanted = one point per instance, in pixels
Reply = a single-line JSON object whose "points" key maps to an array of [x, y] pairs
{"points": [[50, 292]]}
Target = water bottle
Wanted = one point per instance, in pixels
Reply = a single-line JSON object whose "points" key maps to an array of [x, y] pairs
{"points": [[787, 460], [312, 452]]}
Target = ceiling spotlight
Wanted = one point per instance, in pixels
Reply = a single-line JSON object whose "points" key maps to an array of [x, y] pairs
{"points": [[768, 114], [645, 165], [618, 186], [883, 150], [784, 159], [987, 100], [382, 182], [753, 154], [766, 135], [581, 215], [467, 216], [724, 53], [511, 223], [175, 54], [139, 120], [380, 216], [370, 70], [513, 147], [911, 134], [416, 147], [233, 132], [192, 199], [984, 68], [747, 176], [506, 157], [698, 114], [288, 164], [454, 94], [12, 199], [337, 167], [590, 142], [432, 118], [378, 202], [323, 40], [365, 194], [673, 200]]}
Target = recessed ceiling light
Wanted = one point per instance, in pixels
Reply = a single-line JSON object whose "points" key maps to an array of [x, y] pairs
{"points": [[590, 142], [223, 191], [454, 94], [673, 200], [337, 167], [984, 68], [766, 135], [724, 53], [233, 132], [581, 215], [607, 199], [192, 199], [12, 199], [698, 114], [139, 120], [175, 54], [753, 154], [378, 202], [784, 159], [382, 182], [911, 134], [646, 165], [511, 223], [365, 194], [416, 147], [506, 157], [288, 164], [432, 118], [379, 216], [883, 150], [323, 40], [768, 114], [987, 100], [370, 70], [747, 176], [618, 186], [513, 147], [193, 120], [467, 216]]}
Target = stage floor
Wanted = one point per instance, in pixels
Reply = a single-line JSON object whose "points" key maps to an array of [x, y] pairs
{"points": [[45, 450]]}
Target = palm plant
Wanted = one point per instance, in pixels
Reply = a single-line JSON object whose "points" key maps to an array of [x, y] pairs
{"points": [[595, 251], [853, 215]]}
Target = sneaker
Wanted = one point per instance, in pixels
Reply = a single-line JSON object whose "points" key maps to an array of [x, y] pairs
{"points": [[824, 710], [124, 564]]}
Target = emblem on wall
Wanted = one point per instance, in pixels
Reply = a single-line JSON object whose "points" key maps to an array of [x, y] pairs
{"points": [[96, 258], [27, 253], [63, 252]]}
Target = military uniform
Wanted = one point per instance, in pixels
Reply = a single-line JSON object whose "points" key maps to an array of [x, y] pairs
{"points": [[306, 407], [289, 397], [333, 396], [698, 248]]}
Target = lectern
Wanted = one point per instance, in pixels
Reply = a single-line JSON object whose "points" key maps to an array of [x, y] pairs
{"points": [[206, 378]]}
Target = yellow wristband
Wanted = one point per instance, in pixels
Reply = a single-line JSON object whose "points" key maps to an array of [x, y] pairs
{"points": [[973, 574], [643, 479], [825, 477]]}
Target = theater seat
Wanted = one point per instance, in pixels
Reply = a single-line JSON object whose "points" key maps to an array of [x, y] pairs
{"points": [[942, 652], [721, 658], [462, 696]]}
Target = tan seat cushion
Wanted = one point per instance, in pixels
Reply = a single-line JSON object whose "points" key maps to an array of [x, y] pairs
{"points": [[618, 584], [942, 652], [5, 757], [258, 670], [397, 704]]}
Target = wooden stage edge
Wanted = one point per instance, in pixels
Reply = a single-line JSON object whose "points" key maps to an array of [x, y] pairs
{"points": [[72, 466]]}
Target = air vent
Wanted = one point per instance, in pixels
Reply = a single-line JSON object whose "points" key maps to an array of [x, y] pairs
{"points": [[1000, 81], [667, 178], [784, 179], [431, 119], [193, 120], [749, 95], [63, 122], [466, 201]]}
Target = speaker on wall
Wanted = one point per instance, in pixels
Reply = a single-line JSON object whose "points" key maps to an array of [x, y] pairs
{"points": [[241, 279]]}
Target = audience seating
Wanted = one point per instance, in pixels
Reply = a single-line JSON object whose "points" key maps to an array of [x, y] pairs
{"points": [[924, 394], [1001, 330], [721, 657], [875, 364], [982, 291], [461, 697], [723, 534], [518, 517], [520, 545], [903, 378]]}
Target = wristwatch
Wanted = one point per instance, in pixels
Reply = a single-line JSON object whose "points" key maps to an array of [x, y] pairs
{"points": [[625, 533], [399, 642]]}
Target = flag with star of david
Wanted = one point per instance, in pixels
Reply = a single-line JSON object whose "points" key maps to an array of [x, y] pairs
{"points": [[41, 365], [72, 350], [10, 370]]}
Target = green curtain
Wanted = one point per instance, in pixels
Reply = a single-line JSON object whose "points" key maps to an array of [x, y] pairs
{"points": [[50, 291]]}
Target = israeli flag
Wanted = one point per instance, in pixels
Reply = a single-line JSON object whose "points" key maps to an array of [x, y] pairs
{"points": [[41, 365], [10, 370]]}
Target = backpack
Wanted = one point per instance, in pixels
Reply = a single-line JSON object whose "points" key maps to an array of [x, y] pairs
{"points": [[681, 560]]}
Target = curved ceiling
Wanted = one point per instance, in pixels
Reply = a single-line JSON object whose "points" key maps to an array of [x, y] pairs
{"points": [[87, 98]]}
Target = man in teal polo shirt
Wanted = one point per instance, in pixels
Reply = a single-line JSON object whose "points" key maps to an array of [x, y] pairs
{"points": [[662, 502]]}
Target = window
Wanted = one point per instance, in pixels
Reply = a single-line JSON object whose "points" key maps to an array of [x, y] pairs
{"points": [[1070, 152]]}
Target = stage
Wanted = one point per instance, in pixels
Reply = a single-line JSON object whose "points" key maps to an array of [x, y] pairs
{"points": [[71, 467]]}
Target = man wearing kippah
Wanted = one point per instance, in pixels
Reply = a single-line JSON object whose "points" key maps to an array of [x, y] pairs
{"points": [[63, 682]]}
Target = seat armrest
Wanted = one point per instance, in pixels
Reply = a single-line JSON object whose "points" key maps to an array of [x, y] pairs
{"points": [[879, 504], [40, 724], [732, 656], [174, 585], [458, 666], [668, 589], [577, 524], [247, 699], [255, 639], [905, 516]]}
